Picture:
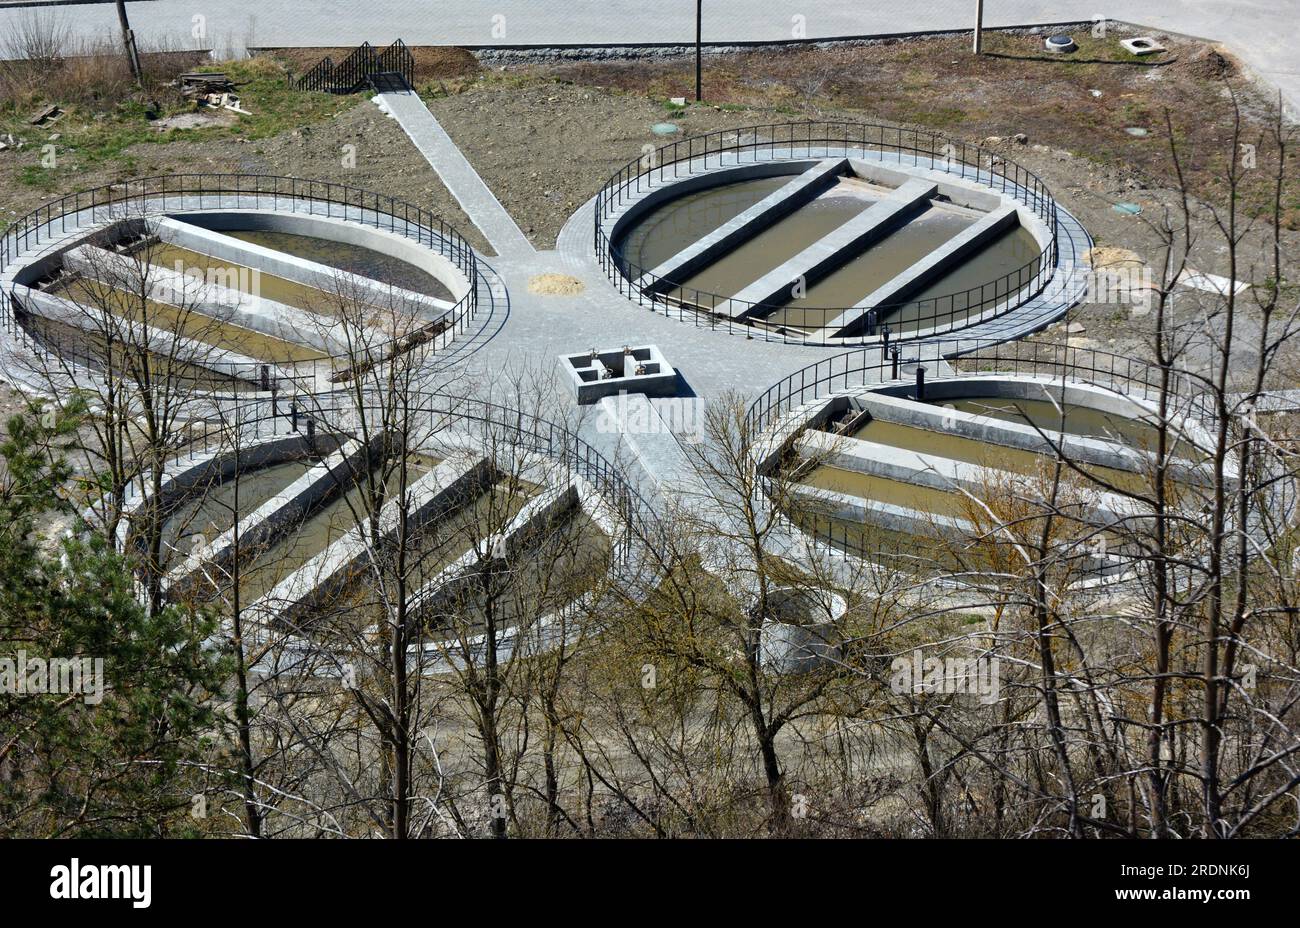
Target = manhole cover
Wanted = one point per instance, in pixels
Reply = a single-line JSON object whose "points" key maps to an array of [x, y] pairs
{"points": [[1060, 44]]}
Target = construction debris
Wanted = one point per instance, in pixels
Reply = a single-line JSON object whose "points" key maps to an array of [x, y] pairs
{"points": [[203, 82], [1142, 45], [48, 116], [214, 89], [225, 101]]}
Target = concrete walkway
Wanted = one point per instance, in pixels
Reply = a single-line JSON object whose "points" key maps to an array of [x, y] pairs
{"points": [[1259, 32], [475, 198]]}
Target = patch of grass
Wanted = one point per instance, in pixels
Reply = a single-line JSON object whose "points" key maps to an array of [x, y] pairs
{"points": [[101, 136], [34, 175]]}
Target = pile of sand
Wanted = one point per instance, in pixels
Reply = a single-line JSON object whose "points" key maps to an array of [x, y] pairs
{"points": [[555, 285], [1112, 257]]}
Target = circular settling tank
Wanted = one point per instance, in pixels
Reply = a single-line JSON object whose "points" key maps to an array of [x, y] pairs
{"points": [[954, 470], [479, 521], [230, 289], [834, 234]]}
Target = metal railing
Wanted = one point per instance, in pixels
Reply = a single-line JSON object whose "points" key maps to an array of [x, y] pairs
{"points": [[195, 192], [425, 414], [875, 367], [360, 69], [786, 141]]}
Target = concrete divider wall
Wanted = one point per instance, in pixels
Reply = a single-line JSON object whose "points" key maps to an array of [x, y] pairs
{"points": [[814, 415], [927, 470], [539, 513], [869, 513], [957, 190], [221, 466], [942, 260], [994, 431], [768, 211], [451, 484], [323, 482], [178, 347], [224, 304], [831, 251], [419, 254], [299, 270]]}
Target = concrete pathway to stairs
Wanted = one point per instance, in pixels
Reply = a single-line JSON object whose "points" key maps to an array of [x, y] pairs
{"points": [[475, 198]]}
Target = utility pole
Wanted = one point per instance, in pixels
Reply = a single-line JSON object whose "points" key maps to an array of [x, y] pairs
{"points": [[699, 30], [128, 39], [979, 27]]}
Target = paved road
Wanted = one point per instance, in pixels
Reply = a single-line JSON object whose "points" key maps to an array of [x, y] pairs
{"points": [[1260, 32]]}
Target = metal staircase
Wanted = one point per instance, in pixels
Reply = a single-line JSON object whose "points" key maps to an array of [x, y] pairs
{"points": [[387, 70]]}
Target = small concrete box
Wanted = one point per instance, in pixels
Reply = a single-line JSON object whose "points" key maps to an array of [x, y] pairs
{"points": [[596, 374]]}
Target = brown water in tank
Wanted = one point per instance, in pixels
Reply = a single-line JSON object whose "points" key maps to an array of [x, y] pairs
{"points": [[1011, 251], [686, 219], [91, 349], [986, 454], [777, 244], [876, 266], [318, 531], [211, 509], [185, 321], [245, 279]]}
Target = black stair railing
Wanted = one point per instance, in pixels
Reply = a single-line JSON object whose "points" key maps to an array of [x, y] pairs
{"points": [[393, 68], [397, 59]]}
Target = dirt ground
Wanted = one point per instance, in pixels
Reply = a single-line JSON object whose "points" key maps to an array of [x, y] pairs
{"points": [[385, 162]]}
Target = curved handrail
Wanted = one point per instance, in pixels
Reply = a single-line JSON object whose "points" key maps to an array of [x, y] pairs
{"points": [[873, 367], [989, 168], [260, 417]]}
